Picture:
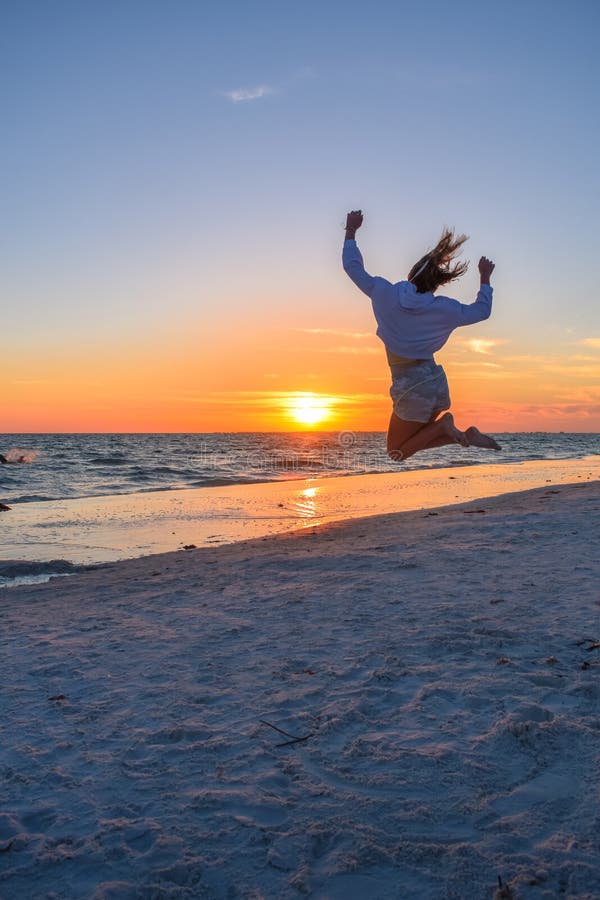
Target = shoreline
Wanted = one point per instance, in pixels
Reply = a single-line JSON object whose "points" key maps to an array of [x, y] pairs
{"points": [[108, 528], [440, 671]]}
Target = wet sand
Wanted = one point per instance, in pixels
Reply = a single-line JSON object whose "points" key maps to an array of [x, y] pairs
{"points": [[101, 529]]}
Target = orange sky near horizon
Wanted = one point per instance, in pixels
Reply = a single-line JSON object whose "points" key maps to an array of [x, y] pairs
{"points": [[253, 382]]}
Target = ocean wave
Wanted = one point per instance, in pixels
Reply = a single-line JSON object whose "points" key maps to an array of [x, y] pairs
{"points": [[21, 568], [460, 462], [109, 461], [224, 481], [294, 462], [18, 455], [33, 498]]}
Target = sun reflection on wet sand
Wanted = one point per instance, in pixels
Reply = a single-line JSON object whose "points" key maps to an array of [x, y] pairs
{"points": [[306, 505]]}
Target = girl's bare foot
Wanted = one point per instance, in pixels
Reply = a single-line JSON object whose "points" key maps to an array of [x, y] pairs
{"points": [[477, 439], [459, 437]]}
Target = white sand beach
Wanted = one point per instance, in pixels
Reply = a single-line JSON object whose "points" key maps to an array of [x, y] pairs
{"points": [[439, 667]]}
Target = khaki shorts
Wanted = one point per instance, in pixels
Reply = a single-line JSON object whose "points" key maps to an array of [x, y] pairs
{"points": [[419, 391]]}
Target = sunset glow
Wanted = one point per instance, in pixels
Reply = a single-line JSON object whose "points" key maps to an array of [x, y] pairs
{"points": [[309, 409]]}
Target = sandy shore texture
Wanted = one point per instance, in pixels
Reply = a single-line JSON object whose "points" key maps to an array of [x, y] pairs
{"points": [[441, 672]]}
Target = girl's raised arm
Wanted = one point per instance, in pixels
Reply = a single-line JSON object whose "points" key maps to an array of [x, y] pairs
{"points": [[352, 257]]}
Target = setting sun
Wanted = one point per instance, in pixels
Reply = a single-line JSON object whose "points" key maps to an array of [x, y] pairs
{"points": [[309, 409]]}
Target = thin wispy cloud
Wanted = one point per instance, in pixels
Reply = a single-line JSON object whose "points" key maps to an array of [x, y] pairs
{"points": [[359, 335], [272, 398], [355, 351], [591, 342], [588, 394], [483, 345], [469, 372], [592, 371], [257, 92], [527, 358], [242, 95]]}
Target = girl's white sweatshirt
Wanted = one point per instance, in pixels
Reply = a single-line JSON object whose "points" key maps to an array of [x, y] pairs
{"points": [[410, 324]]}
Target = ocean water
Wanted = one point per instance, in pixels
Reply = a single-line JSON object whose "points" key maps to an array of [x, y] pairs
{"points": [[60, 466]]}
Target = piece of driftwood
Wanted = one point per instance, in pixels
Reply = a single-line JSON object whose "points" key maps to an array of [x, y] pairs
{"points": [[293, 738]]}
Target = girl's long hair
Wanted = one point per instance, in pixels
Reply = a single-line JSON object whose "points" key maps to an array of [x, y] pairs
{"points": [[433, 269]]}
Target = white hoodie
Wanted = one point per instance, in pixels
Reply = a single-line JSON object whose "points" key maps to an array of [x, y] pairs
{"points": [[410, 324]]}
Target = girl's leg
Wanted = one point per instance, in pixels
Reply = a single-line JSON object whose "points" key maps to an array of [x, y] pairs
{"points": [[436, 433], [399, 431], [406, 438]]}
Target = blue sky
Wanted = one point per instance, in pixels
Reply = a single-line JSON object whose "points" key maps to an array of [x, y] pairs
{"points": [[167, 163]]}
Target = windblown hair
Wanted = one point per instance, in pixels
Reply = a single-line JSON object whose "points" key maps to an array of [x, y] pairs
{"points": [[430, 273]]}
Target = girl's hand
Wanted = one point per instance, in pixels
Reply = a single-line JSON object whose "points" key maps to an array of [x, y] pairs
{"points": [[354, 220], [486, 267]]}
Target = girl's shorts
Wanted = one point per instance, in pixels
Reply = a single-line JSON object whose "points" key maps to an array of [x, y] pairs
{"points": [[419, 391]]}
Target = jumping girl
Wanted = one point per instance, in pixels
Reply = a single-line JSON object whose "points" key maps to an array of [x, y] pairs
{"points": [[414, 324]]}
